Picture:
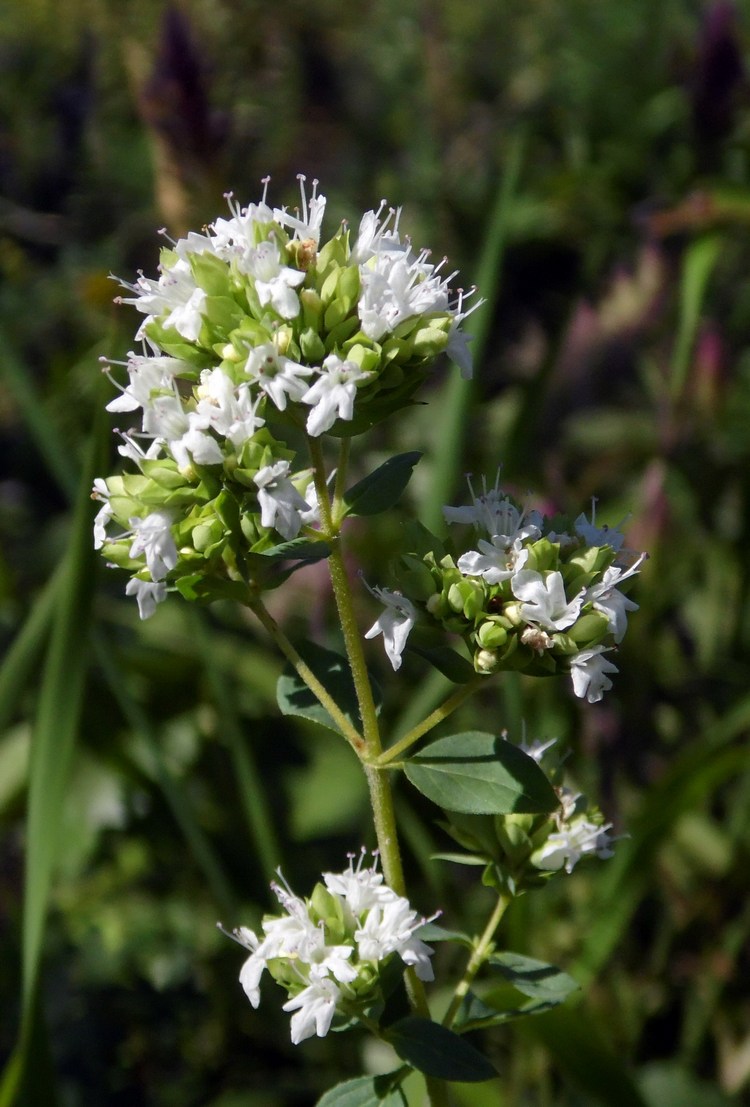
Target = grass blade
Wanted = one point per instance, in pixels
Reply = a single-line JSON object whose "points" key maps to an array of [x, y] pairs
{"points": [[458, 393], [53, 743]]}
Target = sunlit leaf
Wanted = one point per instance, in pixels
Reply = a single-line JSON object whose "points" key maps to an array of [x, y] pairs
{"points": [[478, 774]]}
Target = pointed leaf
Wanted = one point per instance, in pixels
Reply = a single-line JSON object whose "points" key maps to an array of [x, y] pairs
{"points": [[480, 774], [429, 932], [381, 489], [495, 1009], [534, 978], [333, 672], [437, 1051], [296, 549], [365, 1091], [451, 664]]}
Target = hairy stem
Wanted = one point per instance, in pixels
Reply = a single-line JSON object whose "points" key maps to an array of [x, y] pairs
{"points": [[442, 712], [306, 674], [481, 951], [381, 795]]}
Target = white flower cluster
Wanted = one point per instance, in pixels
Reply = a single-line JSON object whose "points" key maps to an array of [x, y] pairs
{"points": [[327, 951], [252, 325], [526, 597], [251, 256]]}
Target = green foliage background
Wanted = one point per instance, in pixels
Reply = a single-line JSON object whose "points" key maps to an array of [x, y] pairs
{"points": [[586, 163]]}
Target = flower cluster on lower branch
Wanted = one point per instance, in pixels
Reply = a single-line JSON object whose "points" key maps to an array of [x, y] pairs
{"points": [[534, 594], [329, 951]]}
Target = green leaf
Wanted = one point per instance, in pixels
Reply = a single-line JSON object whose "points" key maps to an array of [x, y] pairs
{"points": [[429, 932], [451, 664], [480, 774], [544, 984], [381, 489], [534, 978], [439, 1052], [297, 548], [366, 1091], [332, 670]]}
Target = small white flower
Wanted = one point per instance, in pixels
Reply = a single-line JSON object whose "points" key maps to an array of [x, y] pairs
{"points": [[307, 222], [397, 287], [377, 236], [132, 449], [153, 538], [149, 376], [536, 749], [543, 599], [390, 928], [575, 839], [174, 293], [332, 394], [276, 375], [281, 505], [184, 432], [610, 601], [232, 239], [394, 624], [275, 283], [593, 535], [495, 514], [495, 561], [588, 670], [361, 888], [147, 593], [230, 411], [103, 515], [315, 1007]]}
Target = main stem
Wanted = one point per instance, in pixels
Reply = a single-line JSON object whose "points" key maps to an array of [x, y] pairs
{"points": [[381, 795]]}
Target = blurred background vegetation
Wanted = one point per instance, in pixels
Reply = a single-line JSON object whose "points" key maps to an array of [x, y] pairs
{"points": [[588, 163]]}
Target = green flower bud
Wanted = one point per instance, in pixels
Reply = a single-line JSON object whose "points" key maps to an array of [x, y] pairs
{"points": [[364, 356], [467, 597], [328, 908], [589, 629], [334, 253], [543, 555], [312, 308], [336, 313], [428, 342], [311, 345], [491, 634]]}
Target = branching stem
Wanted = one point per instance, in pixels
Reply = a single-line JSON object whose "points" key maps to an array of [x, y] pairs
{"points": [[437, 716]]}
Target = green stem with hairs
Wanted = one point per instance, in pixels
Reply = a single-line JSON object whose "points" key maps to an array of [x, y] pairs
{"points": [[305, 673], [437, 716], [480, 953], [381, 795]]}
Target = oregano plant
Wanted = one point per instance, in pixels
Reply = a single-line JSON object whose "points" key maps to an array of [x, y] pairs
{"points": [[265, 353]]}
